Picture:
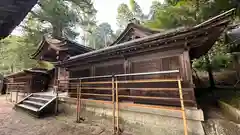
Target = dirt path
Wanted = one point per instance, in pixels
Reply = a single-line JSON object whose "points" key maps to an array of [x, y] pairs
{"points": [[215, 122], [18, 123]]}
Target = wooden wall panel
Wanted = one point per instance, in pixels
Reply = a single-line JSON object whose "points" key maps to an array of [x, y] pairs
{"points": [[159, 64], [159, 61], [72, 89], [109, 69]]}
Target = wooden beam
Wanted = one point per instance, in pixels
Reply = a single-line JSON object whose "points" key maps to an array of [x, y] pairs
{"points": [[148, 81], [92, 94]]}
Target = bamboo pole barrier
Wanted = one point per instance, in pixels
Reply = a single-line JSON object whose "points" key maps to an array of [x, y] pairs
{"points": [[96, 88], [182, 108], [148, 97], [92, 94], [149, 80], [79, 96], [126, 104], [117, 105], [98, 82], [140, 89], [77, 103], [113, 104]]}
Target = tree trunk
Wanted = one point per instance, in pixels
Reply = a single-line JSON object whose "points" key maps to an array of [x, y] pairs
{"points": [[57, 32], [11, 68], [210, 72]]}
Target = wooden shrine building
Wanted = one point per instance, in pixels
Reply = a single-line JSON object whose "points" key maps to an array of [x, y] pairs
{"points": [[57, 50], [53, 50], [139, 49]]}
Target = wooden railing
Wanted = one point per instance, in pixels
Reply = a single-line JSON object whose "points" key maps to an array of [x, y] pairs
{"points": [[17, 87], [114, 88]]}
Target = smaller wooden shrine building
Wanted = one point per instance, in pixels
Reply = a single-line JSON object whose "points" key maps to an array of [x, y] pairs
{"points": [[29, 80], [56, 50]]}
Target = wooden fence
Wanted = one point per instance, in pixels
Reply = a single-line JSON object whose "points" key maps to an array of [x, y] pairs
{"points": [[16, 88], [118, 88]]}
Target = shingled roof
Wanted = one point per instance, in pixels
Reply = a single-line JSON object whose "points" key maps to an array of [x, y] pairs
{"points": [[12, 12], [133, 31], [199, 39], [49, 48]]}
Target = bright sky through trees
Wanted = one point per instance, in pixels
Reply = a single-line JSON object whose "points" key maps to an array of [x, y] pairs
{"points": [[107, 11]]}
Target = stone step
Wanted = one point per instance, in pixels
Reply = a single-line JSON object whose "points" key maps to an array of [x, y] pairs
{"points": [[28, 107], [39, 99], [33, 103]]}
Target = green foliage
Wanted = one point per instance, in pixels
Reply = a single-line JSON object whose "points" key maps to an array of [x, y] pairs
{"points": [[127, 14], [15, 54], [124, 16], [62, 17], [45, 65], [218, 56], [136, 10], [101, 36], [168, 16], [58, 18], [184, 13], [218, 62]]}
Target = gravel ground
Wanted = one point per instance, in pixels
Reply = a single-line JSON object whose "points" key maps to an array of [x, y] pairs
{"points": [[19, 123]]}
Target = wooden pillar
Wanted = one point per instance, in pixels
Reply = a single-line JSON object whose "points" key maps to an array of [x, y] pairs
{"points": [[92, 71], [126, 66], [56, 76], [187, 71], [29, 86], [187, 66]]}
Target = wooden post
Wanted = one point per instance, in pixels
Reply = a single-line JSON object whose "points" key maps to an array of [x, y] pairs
{"points": [[77, 102], [182, 107], [7, 92], [11, 96], [56, 106], [117, 107], [113, 103], [79, 96], [16, 96]]}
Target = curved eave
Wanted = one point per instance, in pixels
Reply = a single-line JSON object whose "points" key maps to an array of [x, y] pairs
{"points": [[39, 49], [12, 12], [79, 46], [130, 26], [38, 71], [25, 72], [198, 36]]}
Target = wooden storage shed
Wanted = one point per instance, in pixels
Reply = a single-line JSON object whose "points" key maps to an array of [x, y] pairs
{"points": [[29, 81]]}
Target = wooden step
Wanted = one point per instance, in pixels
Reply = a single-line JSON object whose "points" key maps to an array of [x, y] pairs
{"points": [[38, 105], [33, 103], [44, 100], [28, 107], [42, 96]]}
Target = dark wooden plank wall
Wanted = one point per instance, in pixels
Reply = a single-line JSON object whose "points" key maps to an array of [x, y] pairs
{"points": [[143, 63]]}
